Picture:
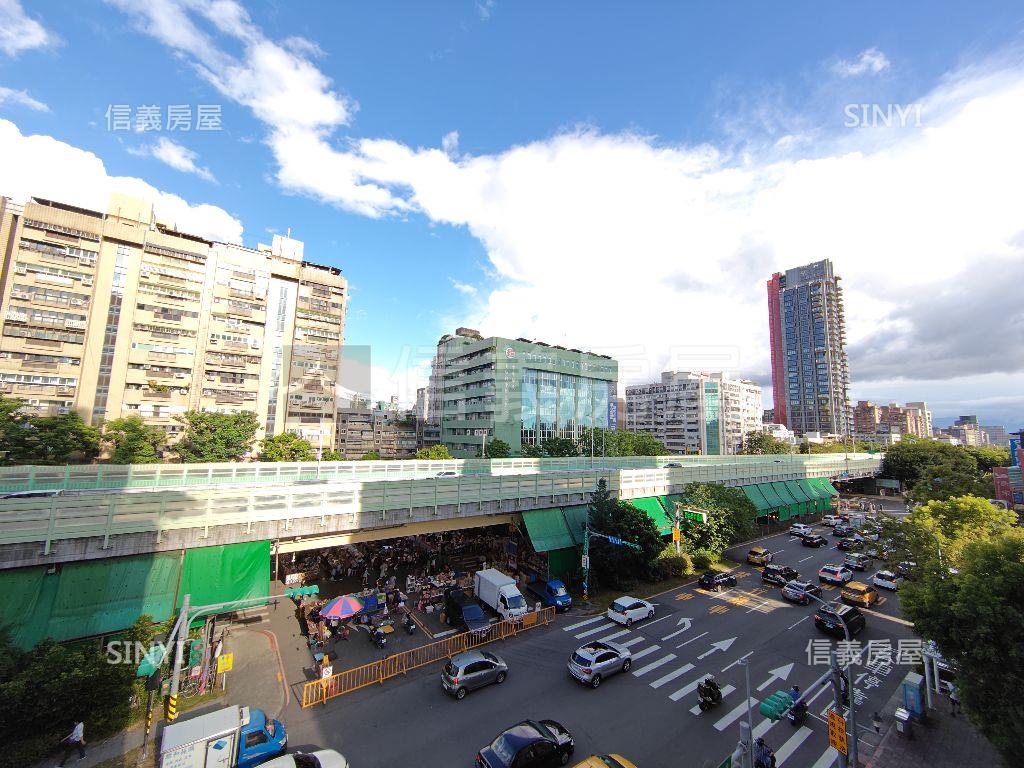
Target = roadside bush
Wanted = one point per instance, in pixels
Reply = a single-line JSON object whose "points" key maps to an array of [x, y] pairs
{"points": [[669, 565], [704, 559]]}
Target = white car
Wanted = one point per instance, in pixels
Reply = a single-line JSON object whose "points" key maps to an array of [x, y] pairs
{"points": [[626, 610], [830, 520], [322, 758], [887, 580], [800, 529], [834, 574]]}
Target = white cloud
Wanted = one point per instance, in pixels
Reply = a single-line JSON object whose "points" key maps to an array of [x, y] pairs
{"points": [[485, 8], [870, 62], [41, 166], [178, 157], [19, 32], [654, 251], [11, 96], [465, 288]]}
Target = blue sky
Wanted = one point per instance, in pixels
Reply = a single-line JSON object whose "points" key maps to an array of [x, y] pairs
{"points": [[609, 177]]}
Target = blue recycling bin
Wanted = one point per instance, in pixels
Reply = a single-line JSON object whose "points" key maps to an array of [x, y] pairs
{"points": [[913, 695]]}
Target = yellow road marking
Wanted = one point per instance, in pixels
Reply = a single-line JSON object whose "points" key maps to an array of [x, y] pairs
{"points": [[684, 596], [742, 574], [758, 591], [718, 609], [739, 600]]}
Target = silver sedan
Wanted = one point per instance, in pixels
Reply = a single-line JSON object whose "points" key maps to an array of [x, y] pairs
{"points": [[593, 662]]}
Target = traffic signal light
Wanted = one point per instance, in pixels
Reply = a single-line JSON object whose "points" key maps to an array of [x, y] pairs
{"points": [[151, 661], [775, 706], [302, 591]]}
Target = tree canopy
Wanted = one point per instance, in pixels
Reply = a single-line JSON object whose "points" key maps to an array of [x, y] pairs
{"points": [[498, 449], [62, 439], [211, 437], [437, 452], [760, 443], [370, 456], [932, 470], [132, 441], [614, 442], [618, 565], [286, 447], [731, 517], [989, 456]]}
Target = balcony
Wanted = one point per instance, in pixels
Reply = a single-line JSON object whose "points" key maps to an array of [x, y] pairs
{"points": [[161, 357], [39, 365], [152, 394]]}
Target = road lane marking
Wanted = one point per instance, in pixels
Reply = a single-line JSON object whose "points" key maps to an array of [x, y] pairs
{"points": [[695, 709], [735, 714], [811, 557], [687, 689], [741, 658], [827, 759], [716, 609], [762, 728], [631, 643], [698, 637], [805, 618], [614, 635], [684, 596], [646, 651], [654, 664], [579, 624], [605, 628], [655, 621], [792, 743], [672, 676]]}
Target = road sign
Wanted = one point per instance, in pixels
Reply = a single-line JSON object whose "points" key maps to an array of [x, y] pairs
{"points": [[837, 731], [225, 662], [615, 540], [585, 561], [675, 534], [727, 763]]}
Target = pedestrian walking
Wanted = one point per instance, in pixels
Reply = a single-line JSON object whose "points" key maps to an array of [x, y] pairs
{"points": [[954, 700], [75, 740]]}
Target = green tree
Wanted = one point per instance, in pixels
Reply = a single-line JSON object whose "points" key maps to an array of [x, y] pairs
{"points": [[62, 439], [759, 443], [976, 617], [11, 420], [989, 456], [211, 437], [371, 456], [731, 516], [331, 454], [286, 447], [947, 484], [534, 452], [132, 441], [912, 460], [498, 449], [618, 565], [613, 442], [437, 452], [559, 446]]}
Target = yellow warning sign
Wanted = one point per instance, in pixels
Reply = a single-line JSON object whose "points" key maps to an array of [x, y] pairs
{"points": [[225, 662], [837, 731]]}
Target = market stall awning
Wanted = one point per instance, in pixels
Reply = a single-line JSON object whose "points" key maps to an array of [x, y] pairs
{"points": [[547, 529], [797, 505], [757, 498], [825, 484], [576, 519], [808, 502], [655, 511], [817, 495]]}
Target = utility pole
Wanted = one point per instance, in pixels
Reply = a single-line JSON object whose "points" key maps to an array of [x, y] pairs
{"points": [[837, 689], [586, 556], [179, 643]]}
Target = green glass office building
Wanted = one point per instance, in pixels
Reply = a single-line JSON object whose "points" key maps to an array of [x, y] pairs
{"points": [[518, 391]]}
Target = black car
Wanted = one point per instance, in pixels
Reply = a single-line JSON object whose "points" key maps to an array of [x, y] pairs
{"points": [[814, 541], [831, 617], [716, 581], [857, 562], [842, 531], [778, 574], [530, 744], [799, 591], [850, 543]]}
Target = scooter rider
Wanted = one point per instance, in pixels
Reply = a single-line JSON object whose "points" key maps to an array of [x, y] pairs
{"points": [[763, 755], [709, 689]]}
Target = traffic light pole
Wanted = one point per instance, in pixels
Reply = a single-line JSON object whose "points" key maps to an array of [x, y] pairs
{"points": [[837, 689]]}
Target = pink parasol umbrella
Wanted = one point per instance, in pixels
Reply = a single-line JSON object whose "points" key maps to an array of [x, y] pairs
{"points": [[343, 607]]}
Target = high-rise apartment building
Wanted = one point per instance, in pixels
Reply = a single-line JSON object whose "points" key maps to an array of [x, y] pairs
{"points": [[869, 419], [810, 374], [110, 314], [923, 414], [704, 413], [518, 391], [996, 435], [388, 432]]}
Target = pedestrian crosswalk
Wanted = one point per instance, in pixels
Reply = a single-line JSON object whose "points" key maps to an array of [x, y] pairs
{"points": [[664, 668]]}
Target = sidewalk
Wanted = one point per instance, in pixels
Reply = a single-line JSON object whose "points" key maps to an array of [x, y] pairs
{"points": [[256, 680], [941, 741]]}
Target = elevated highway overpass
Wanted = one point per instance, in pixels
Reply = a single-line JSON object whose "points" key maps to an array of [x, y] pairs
{"points": [[110, 511]]}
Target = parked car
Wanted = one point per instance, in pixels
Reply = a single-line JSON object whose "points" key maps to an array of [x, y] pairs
{"points": [[814, 541], [463, 612], [800, 529], [906, 569], [832, 616], [832, 573], [321, 758], [858, 593], [857, 561], [715, 580], [605, 761], [830, 520], [797, 591], [593, 662], [470, 670], [529, 744], [778, 574], [842, 530], [887, 580], [447, 473], [672, 465], [759, 556], [626, 610]]}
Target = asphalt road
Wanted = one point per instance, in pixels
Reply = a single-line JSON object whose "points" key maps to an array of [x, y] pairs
{"points": [[649, 714]]}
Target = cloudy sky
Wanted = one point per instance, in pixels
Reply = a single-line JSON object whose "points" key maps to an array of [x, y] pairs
{"points": [[618, 177]]}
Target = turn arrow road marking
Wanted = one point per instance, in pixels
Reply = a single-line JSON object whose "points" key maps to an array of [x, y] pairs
{"points": [[684, 623], [779, 673]]}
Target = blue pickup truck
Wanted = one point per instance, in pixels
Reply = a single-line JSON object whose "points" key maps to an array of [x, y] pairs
{"points": [[551, 593]]}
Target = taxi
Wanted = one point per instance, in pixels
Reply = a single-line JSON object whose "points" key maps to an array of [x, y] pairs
{"points": [[759, 556], [606, 761], [858, 593]]}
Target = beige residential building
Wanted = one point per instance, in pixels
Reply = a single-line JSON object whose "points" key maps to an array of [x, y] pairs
{"points": [[114, 313], [391, 433]]}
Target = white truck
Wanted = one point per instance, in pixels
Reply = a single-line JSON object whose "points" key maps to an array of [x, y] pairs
{"points": [[500, 592], [232, 737]]}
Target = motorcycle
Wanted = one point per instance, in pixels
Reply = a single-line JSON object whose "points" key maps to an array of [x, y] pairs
{"points": [[797, 714], [409, 625], [378, 638], [708, 695]]}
